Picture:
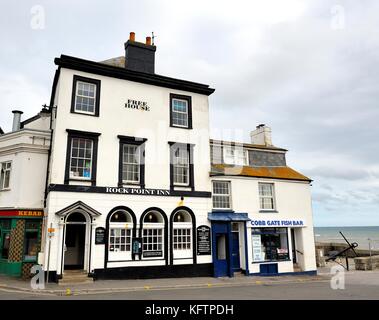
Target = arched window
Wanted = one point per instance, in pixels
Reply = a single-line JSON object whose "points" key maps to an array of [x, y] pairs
{"points": [[120, 235], [182, 235], [153, 235]]}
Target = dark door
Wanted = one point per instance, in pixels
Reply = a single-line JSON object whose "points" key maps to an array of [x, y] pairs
{"points": [[293, 246], [74, 246], [220, 256], [235, 251]]}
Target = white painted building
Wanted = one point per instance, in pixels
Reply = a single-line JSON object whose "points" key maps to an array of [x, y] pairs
{"points": [[130, 177]]}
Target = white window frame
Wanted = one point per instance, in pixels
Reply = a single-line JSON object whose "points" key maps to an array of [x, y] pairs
{"points": [[153, 226], [6, 167], [229, 195], [180, 112], [236, 157], [138, 164], [182, 253], [121, 255], [81, 158], [77, 95], [181, 166], [272, 196]]}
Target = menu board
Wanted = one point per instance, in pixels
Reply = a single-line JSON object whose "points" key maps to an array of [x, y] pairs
{"points": [[203, 240], [257, 250], [100, 235]]}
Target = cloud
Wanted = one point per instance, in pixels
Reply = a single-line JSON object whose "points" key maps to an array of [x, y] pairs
{"points": [[280, 63]]}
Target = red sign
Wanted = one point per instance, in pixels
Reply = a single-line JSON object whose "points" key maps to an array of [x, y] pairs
{"points": [[21, 213]]}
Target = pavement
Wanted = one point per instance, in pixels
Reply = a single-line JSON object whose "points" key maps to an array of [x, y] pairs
{"points": [[15, 285], [11, 284]]}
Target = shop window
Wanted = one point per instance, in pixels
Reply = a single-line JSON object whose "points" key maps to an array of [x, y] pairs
{"points": [[31, 246], [152, 240], [270, 244], [182, 239], [152, 235], [120, 235], [182, 234], [119, 239], [266, 196], [5, 175], [221, 196], [6, 239], [5, 224]]}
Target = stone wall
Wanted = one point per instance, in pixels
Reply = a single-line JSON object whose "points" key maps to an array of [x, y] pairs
{"points": [[367, 263]]}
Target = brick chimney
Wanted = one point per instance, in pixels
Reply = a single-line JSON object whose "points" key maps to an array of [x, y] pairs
{"points": [[140, 56], [261, 135]]}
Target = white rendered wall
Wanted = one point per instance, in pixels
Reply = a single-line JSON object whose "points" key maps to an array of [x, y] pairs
{"points": [[116, 120], [27, 150], [104, 203], [293, 201]]}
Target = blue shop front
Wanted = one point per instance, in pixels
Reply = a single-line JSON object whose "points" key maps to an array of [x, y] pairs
{"points": [[229, 243]]}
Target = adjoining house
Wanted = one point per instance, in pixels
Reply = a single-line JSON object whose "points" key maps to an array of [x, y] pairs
{"points": [[131, 185]]}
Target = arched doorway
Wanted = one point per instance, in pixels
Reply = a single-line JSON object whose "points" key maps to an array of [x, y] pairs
{"points": [[75, 241]]}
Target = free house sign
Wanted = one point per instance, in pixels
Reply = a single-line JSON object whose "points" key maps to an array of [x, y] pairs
{"points": [[137, 105]]}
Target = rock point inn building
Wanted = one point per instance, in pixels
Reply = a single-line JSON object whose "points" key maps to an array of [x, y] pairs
{"points": [[118, 178]]}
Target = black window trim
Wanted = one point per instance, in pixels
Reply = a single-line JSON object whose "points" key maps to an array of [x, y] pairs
{"points": [[96, 82], [84, 135], [189, 106], [190, 148], [135, 141]]}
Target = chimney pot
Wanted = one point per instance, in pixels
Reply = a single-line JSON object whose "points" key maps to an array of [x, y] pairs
{"points": [[148, 41], [16, 120], [132, 36]]}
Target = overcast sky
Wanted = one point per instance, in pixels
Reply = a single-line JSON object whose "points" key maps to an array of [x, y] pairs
{"points": [[308, 69]]}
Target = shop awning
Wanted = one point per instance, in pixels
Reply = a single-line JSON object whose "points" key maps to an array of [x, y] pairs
{"points": [[228, 216]]}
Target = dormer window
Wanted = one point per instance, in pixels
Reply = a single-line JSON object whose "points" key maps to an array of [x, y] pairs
{"points": [[236, 156], [85, 96]]}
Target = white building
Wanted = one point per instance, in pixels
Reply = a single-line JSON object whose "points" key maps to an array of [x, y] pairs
{"points": [[130, 176]]}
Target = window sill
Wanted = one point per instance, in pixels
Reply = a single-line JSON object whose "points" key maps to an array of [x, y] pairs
{"points": [[223, 210], [273, 261], [130, 184], [85, 114], [6, 189], [179, 127], [268, 211]]}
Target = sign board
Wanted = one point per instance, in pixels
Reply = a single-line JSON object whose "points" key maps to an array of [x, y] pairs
{"points": [[137, 191], [137, 245], [147, 254], [203, 237], [138, 105], [100, 235], [257, 249], [288, 223], [51, 230], [21, 213]]}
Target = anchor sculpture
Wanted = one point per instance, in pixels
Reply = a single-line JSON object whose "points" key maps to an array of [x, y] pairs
{"points": [[350, 247]]}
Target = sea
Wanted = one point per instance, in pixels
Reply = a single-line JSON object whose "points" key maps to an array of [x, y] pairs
{"points": [[364, 236]]}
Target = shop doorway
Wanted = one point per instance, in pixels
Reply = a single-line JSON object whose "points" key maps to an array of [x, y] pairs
{"points": [[293, 244], [235, 252], [75, 242]]}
